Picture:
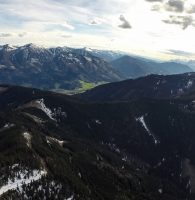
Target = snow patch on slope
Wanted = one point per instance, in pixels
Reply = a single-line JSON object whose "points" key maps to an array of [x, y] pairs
{"points": [[143, 123], [97, 121], [189, 84], [16, 182], [88, 59], [160, 190], [46, 110], [50, 189], [58, 112], [70, 198], [6, 127], [28, 138], [50, 139]]}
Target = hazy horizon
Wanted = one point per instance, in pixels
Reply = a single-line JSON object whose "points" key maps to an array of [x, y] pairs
{"points": [[160, 29]]}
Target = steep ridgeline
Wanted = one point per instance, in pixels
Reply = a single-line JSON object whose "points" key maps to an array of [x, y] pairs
{"points": [[133, 67], [54, 146], [152, 86], [54, 68], [106, 55]]}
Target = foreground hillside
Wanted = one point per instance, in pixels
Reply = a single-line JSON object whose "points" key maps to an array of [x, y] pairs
{"points": [[54, 146], [151, 86]]}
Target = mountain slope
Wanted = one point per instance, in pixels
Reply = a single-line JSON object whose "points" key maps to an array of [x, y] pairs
{"points": [[152, 86], [103, 54], [77, 150], [76, 70], [55, 68], [132, 67]]}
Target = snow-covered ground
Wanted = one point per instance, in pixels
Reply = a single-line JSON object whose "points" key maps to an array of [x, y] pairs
{"points": [[28, 138], [43, 107], [97, 121], [23, 180], [6, 127], [160, 190], [142, 121], [88, 59], [189, 84], [50, 139], [57, 112], [70, 198]]}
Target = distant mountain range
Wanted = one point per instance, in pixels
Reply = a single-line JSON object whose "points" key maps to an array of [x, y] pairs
{"points": [[133, 67], [190, 63], [53, 68], [106, 55], [128, 140], [63, 68]]}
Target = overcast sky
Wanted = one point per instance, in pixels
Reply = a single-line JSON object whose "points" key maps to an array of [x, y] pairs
{"points": [[157, 28]]}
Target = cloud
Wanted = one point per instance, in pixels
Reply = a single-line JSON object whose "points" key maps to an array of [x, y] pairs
{"points": [[22, 34], [156, 7], [4, 35], [170, 5], [191, 10], [183, 21], [95, 21], [155, 0], [68, 26], [66, 36], [19, 14], [78, 18], [179, 53], [125, 24], [175, 5]]}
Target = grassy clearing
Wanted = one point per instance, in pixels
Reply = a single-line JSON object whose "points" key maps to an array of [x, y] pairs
{"points": [[84, 86]]}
